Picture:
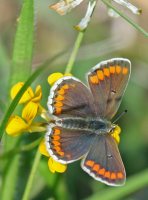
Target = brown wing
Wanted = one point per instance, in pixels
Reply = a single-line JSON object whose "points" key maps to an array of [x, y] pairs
{"points": [[70, 97], [108, 81], [67, 145], [104, 162]]}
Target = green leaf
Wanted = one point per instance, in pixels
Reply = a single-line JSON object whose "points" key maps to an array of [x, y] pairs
{"points": [[23, 45]]}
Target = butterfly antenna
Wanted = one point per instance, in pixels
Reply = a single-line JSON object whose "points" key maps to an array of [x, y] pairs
{"points": [[119, 116]]}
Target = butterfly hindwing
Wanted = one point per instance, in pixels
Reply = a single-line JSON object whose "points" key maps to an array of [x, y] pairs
{"points": [[70, 97], [103, 162], [108, 81], [67, 145]]}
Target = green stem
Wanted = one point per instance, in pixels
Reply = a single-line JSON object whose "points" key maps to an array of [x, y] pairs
{"points": [[136, 26], [74, 52], [26, 195]]}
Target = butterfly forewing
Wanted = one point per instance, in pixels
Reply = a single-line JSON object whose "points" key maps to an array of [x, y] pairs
{"points": [[70, 97], [108, 81]]}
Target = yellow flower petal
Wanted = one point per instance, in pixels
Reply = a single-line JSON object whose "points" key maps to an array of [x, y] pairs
{"points": [[16, 126], [54, 77], [55, 166], [30, 111], [38, 94], [116, 133], [28, 94], [42, 148]]}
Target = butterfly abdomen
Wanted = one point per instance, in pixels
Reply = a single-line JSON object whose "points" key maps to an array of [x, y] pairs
{"points": [[83, 124], [73, 123]]}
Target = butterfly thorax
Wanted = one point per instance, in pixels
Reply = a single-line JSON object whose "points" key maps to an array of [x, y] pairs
{"points": [[96, 125]]}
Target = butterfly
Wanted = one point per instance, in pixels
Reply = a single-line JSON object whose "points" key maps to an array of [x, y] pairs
{"points": [[81, 127]]}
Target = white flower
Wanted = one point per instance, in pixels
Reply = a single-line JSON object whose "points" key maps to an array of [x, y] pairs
{"points": [[65, 6], [130, 6], [84, 21]]}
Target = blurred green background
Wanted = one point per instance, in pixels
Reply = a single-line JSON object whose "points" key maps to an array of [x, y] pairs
{"points": [[105, 38]]}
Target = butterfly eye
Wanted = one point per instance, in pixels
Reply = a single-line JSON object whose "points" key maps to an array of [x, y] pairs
{"points": [[112, 130]]}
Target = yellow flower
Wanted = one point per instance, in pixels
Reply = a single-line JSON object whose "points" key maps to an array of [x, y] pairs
{"points": [[17, 125], [116, 133], [56, 76], [28, 95], [42, 148], [53, 165]]}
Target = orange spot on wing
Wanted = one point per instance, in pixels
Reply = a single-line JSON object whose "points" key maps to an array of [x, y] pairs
{"points": [[61, 91], [56, 143], [61, 153], [58, 110], [100, 75], [102, 171], [119, 175], [112, 69], [56, 137], [96, 167], [107, 174], [57, 131], [118, 69], [58, 104], [59, 98], [89, 163], [57, 148], [125, 70], [113, 175], [65, 87], [94, 79], [106, 72]]}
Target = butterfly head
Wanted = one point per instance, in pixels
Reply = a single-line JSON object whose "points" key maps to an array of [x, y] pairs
{"points": [[102, 126]]}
